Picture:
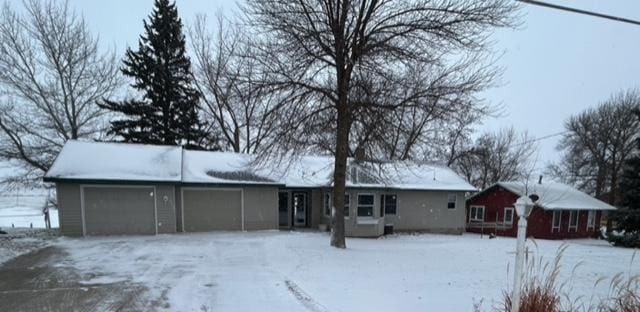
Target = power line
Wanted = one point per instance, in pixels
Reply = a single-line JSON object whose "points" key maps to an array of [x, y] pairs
{"points": [[579, 11], [540, 138]]}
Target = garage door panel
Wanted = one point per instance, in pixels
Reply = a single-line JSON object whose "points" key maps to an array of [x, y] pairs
{"points": [[212, 210], [119, 210]]}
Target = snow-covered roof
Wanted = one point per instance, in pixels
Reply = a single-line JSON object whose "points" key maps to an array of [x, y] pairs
{"points": [[135, 162], [220, 168], [557, 196], [115, 161], [410, 175]]}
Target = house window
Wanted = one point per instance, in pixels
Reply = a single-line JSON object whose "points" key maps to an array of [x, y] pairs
{"points": [[389, 204], [557, 220], [591, 220], [365, 205], [451, 201], [573, 220], [327, 204], [476, 213], [508, 215], [347, 200]]}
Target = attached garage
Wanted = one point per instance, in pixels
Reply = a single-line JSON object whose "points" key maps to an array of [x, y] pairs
{"points": [[207, 209], [111, 210]]}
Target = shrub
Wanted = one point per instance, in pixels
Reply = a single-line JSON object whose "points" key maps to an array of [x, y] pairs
{"points": [[627, 219], [627, 239]]}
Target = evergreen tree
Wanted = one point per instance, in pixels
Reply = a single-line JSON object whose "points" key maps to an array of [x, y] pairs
{"points": [[167, 114], [628, 218]]}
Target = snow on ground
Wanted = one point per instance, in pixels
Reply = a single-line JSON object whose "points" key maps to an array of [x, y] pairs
{"points": [[294, 271], [20, 241], [23, 209]]}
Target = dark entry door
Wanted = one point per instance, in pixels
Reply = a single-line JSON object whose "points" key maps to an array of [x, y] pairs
{"points": [[283, 209]]}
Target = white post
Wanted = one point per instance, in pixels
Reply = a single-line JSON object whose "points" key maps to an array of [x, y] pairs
{"points": [[523, 206], [517, 281]]}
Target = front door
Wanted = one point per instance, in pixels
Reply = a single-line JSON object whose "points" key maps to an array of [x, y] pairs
{"points": [[299, 209], [283, 209]]}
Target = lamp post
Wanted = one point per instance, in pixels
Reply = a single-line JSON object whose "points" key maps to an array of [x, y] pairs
{"points": [[523, 206]]}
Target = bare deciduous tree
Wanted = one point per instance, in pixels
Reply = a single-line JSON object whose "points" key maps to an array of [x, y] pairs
{"points": [[597, 144], [51, 75], [314, 49], [237, 106], [501, 156], [415, 113]]}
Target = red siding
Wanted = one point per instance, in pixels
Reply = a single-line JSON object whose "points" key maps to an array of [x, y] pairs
{"points": [[497, 198]]}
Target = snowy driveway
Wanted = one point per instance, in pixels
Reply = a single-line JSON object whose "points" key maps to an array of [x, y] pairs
{"points": [[292, 271]]}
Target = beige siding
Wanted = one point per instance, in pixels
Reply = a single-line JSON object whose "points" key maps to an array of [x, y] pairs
{"points": [[260, 208], [424, 211], [316, 208], [427, 211], [166, 208], [69, 209]]}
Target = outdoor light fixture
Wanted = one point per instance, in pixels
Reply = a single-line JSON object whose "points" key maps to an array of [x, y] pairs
{"points": [[524, 206]]}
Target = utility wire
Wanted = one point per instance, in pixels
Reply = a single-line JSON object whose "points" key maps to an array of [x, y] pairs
{"points": [[539, 138], [579, 11]]}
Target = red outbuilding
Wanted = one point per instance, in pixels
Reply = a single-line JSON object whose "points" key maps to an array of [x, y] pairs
{"points": [[560, 212]]}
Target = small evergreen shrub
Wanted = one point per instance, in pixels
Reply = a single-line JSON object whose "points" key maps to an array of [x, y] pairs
{"points": [[625, 239]]}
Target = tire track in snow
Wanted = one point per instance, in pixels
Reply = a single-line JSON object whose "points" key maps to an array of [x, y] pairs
{"points": [[304, 298]]}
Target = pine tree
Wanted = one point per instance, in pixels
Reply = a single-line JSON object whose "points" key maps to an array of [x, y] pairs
{"points": [[629, 217], [167, 114]]}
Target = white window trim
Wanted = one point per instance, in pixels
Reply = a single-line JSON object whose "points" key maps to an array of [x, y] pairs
{"points": [[591, 225], [455, 202], [553, 221], [383, 204], [373, 214], [476, 218], [330, 203], [571, 214], [504, 217]]}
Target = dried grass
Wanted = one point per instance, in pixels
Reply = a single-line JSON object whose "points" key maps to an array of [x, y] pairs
{"points": [[541, 290]]}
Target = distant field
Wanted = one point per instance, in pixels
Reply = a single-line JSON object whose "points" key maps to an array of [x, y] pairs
{"points": [[25, 210], [23, 207]]}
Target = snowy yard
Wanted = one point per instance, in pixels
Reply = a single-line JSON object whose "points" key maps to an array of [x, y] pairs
{"points": [[286, 271]]}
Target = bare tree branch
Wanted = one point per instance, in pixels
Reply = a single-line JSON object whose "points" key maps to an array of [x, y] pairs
{"points": [[51, 75]]}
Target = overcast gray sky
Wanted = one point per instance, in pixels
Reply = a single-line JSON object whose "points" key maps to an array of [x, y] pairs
{"points": [[556, 64]]}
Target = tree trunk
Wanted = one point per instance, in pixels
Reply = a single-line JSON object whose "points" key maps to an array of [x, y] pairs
{"points": [[340, 164], [339, 175]]}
